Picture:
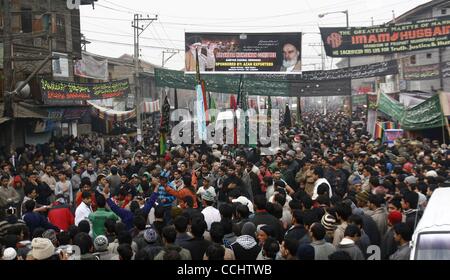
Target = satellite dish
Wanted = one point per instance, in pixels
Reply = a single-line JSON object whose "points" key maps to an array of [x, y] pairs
{"points": [[25, 92]]}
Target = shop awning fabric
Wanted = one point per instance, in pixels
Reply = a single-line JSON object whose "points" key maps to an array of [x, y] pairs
{"points": [[113, 115], [23, 110], [4, 119], [110, 114], [150, 106]]}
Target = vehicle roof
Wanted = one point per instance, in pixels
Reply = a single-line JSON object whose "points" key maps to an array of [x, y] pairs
{"points": [[437, 213]]}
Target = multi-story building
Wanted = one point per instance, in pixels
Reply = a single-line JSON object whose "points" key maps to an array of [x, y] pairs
{"points": [[436, 56], [32, 30]]}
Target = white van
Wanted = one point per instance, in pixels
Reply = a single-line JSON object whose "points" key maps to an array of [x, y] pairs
{"points": [[431, 239]]}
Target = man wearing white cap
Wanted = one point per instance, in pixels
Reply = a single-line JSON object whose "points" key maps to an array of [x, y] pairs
{"points": [[244, 201], [9, 254], [210, 212], [42, 249]]}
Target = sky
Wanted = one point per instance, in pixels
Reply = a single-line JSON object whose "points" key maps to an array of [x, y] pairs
{"points": [[108, 26]]}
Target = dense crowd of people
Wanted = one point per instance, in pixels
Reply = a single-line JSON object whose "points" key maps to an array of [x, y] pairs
{"points": [[329, 192]]}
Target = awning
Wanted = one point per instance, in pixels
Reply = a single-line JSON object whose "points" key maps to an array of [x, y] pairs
{"points": [[4, 119], [111, 115], [150, 107], [24, 110]]}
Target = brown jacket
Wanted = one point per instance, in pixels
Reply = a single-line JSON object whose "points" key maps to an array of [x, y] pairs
{"points": [[306, 181]]}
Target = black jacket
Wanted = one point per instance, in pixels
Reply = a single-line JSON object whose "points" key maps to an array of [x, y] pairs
{"points": [[388, 245], [191, 211], [237, 226], [239, 185], [245, 254], [256, 186], [371, 229], [148, 252], [411, 220], [264, 218], [296, 232], [197, 246], [43, 191]]}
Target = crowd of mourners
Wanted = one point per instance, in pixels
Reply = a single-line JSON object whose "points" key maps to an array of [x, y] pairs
{"points": [[329, 192]]}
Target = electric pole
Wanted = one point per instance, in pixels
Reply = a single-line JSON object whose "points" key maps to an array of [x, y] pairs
{"points": [[172, 53], [138, 30], [7, 68]]}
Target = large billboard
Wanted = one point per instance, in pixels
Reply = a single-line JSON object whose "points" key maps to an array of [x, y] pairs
{"points": [[243, 52], [386, 39]]}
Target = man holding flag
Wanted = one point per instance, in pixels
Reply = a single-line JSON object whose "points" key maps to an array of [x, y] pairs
{"points": [[202, 105]]}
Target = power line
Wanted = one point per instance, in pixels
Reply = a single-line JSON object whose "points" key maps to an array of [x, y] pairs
{"points": [[156, 47], [264, 17], [167, 35], [129, 35], [113, 9], [120, 6], [163, 48], [129, 10], [300, 24], [158, 37], [172, 52]]}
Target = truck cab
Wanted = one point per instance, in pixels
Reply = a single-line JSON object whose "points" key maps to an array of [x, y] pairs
{"points": [[431, 238]]}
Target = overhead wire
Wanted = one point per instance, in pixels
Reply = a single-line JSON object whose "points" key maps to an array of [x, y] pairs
{"points": [[329, 6], [229, 24]]}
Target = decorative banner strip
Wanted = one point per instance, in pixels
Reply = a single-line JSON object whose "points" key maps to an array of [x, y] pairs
{"points": [[354, 72], [422, 72], [62, 92]]}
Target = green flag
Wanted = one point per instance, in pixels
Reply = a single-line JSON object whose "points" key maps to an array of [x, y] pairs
{"points": [[162, 144], [164, 126], [212, 105]]}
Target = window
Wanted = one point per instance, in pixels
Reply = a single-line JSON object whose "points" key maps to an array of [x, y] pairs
{"points": [[443, 11], [26, 20], [429, 55], [412, 59], [433, 246], [60, 30], [60, 25]]}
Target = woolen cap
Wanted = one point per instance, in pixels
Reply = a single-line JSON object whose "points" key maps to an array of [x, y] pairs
{"points": [[395, 217], [363, 196], [329, 222], [42, 248]]}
